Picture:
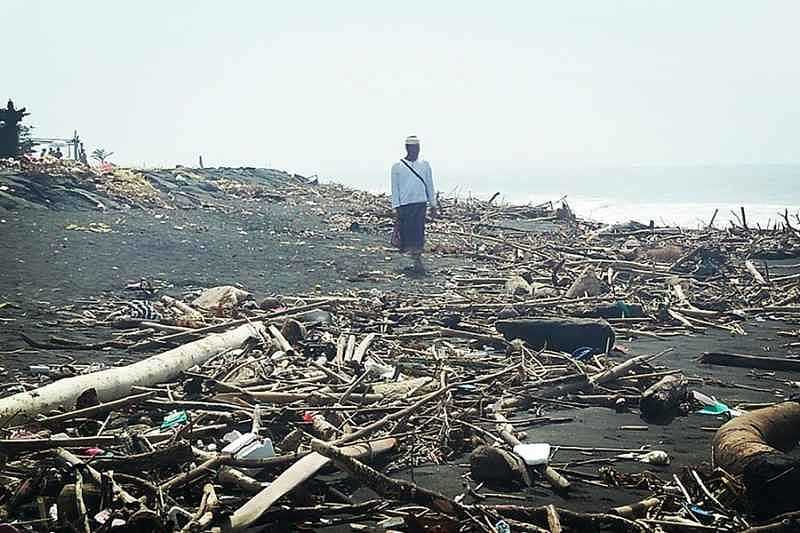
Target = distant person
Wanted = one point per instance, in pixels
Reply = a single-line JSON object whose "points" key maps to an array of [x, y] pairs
{"points": [[59, 154], [412, 193], [45, 152], [82, 156]]}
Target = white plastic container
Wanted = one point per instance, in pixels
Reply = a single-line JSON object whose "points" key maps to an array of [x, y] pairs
{"points": [[536, 453], [39, 370], [250, 446]]}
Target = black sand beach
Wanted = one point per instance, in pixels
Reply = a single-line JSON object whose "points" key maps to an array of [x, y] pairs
{"points": [[274, 248]]}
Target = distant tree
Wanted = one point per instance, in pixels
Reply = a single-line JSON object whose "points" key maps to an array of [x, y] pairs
{"points": [[26, 143], [101, 154]]}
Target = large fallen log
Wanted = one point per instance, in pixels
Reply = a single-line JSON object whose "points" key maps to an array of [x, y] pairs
{"points": [[116, 383], [750, 361], [754, 446], [560, 334]]}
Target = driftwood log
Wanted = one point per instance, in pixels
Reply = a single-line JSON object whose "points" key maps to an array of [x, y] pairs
{"points": [[754, 447], [610, 374], [750, 361], [399, 389], [116, 383], [586, 284], [560, 334], [637, 509]]}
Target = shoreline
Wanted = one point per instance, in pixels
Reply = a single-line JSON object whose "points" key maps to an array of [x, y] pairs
{"points": [[666, 213]]}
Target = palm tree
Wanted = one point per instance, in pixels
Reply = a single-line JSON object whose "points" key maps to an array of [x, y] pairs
{"points": [[101, 154]]}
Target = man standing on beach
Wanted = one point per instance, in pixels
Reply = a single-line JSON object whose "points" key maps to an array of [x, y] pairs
{"points": [[412, 193]]}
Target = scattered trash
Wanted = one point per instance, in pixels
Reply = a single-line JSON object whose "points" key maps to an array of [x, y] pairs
{"points": [[175, 419], [502, 527], [655, 457], [217, 411], [712, 406], [39, 370], [221, 300], [93, 227], [250, 446]]}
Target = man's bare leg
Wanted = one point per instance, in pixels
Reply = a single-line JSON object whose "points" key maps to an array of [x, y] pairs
{"points": [[419, 267]]}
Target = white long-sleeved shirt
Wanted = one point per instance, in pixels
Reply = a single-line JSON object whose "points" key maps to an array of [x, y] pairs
{"points": [[407, 188]]}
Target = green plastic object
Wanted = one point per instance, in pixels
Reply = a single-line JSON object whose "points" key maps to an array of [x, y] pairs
{"points": [[718, 408], [174, 419]]}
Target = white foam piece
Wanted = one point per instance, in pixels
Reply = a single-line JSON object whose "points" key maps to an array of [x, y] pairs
{"points": [[533, 454]]}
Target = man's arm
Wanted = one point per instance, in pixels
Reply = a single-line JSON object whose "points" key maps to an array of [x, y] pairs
{"points": [[430, 190], [395, 181]]}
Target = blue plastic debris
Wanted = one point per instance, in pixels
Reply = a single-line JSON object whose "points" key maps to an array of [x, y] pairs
{"points": [[583, 352]]}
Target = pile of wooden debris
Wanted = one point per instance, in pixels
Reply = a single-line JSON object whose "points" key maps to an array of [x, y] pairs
{"points": [[246, 402]]}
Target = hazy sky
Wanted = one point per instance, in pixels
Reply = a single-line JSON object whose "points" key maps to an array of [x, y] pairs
{"points": [[332, 87]]}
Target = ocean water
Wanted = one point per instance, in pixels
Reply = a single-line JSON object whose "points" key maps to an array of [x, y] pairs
{"points": [[684, 214], [675, 196], [685, 196]]}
